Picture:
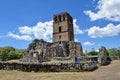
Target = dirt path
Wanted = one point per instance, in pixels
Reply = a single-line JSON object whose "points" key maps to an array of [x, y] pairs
{"points": [[110, 72]]}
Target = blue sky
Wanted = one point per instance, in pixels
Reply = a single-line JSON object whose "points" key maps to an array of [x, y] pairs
{"points": [[96, 22]]}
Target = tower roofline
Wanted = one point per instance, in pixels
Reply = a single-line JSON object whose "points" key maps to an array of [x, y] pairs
{"points": [[62, 13]]}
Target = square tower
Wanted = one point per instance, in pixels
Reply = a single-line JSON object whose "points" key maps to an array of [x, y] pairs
{"points": [[63, 27]]}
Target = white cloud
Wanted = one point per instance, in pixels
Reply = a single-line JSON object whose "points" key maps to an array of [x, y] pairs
{"points": [[42, 30], [109, 30], [25, 30], [77, 28], [23, 37], [107, 9], [87, 43]]}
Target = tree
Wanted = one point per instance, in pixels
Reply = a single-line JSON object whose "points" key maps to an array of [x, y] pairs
{"points": [[4, 55], [8, 53], [114, 52], [93, 53], [19, 53], [12, 55], [4, 52]]}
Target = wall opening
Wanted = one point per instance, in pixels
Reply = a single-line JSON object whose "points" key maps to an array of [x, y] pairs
{"points": [[59, 18], [60, 29], [55, 19], [63, 17]]}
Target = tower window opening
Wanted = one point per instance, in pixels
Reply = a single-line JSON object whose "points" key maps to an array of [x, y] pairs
{"points": [[60, 29], [63, 17], [59, 18], [55, 19]]}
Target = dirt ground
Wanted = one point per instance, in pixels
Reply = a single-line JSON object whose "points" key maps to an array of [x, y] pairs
{"points": [[109, 72]]}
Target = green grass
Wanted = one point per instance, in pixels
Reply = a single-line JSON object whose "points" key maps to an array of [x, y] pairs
{"points": [[84, 60], [14, 60]]}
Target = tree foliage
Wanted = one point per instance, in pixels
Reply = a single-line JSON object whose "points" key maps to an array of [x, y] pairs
{"points": [[8, 53], [114, 52], [93, 53]]}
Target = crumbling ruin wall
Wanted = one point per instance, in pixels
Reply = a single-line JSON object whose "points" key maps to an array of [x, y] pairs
{"points": [[102, 56], [40, 51], [54, 67]]}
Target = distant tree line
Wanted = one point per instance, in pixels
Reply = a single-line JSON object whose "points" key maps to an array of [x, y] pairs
{"points": [[9, 53], [110, 52], [114, 52], [92, 53]]}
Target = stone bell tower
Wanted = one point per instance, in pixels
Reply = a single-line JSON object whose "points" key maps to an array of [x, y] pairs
{"points": [[63, 27]]}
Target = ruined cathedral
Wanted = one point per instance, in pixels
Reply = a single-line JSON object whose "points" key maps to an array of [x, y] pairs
{"points": [[62, 47]]}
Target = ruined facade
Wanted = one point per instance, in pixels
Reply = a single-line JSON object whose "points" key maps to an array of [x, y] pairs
{"points": [[40, 51], [63, 45]]}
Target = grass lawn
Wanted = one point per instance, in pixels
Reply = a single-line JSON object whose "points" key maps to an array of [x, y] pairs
{"points": [[15, 60]]}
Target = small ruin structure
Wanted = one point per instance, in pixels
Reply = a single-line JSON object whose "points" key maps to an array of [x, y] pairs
{"points": [[102, 56]]}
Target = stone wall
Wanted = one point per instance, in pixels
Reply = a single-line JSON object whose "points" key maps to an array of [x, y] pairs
{"points": [[40, 51], [54, 67]]}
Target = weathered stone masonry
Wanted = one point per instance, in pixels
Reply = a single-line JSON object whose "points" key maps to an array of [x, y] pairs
{"points": [[40, 51], [63, 27], [54, 67]]}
